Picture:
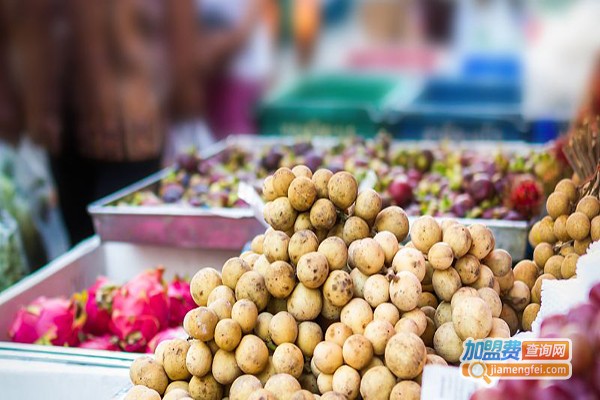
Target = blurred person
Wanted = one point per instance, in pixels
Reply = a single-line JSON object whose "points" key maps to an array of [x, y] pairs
{"points": [[240, 74], [99, 82]]}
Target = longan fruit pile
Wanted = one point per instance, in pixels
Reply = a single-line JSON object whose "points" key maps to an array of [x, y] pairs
{"points": [[559, 239], [329, 304]]}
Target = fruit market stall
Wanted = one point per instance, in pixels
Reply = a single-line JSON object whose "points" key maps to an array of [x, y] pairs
{"points": [[196, 203]]}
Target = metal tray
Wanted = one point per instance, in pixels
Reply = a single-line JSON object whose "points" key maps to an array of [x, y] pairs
{"points": [[79, 268], [231, 228]]}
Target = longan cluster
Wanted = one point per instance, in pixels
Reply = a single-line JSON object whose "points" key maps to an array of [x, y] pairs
{"points": [[329, 304], [559, 239]]}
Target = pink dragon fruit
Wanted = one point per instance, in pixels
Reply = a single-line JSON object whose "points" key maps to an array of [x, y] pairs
{"points": [[167, 334], [180, 300], [98, 306], [56, 321], [104, 342], [140, 310]]}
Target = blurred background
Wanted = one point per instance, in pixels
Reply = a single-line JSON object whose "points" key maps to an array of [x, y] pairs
{"points": [[97, 95]]}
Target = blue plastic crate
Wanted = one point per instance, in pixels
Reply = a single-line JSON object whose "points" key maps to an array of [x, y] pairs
{"points": [[465, 109]]}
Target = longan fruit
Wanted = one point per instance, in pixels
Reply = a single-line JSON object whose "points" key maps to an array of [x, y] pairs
{"points": [[483, 240], [553, 266], [378, 332], [261, 329], [389, 244], [221, 292], [252, 286], [440, 255], [288, 359], [405, 290], [581, 246], [228, 334], [468, 268], [376, 290], [406, 390], [206, 388], [280, 214], [357, 351], [459, 238], [283, 328], [148, 372], [405, 355], [425, 232], [518, 296], [280, 279], [252, 354], [526, 271], [282, 179], [309, 335], [336, 252], [245, 313], [338, 288], [445, 283], [392, 219], [346, 381], [321, 178], [343, 189], [200, 323], [303, 222], [323, 214], [557, 204], [542, 253], [589, 205], [560, 228], [357, 314], [312, 270], [302, 242], [377, 383], [546, 231], [595, 229], [578, 225], [387, 312], [243, 387], [358, 280], [328, 357], [505, 282], [366, 255], [368, 204], [283, 386], [234, 268], [427, 299], [338, 333], [202, 283], [302, 193], [509, 316], [567, 187], [198, 360], [499, 261], [305, 304], [268, 190], [302, 170], [224, 367], [410, 260], [529, 315], [275, 246], [569, 265], [355, 228], [536, 291]]}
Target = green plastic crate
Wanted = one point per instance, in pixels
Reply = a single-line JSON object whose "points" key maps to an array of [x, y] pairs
{"points": [[332, 105]]}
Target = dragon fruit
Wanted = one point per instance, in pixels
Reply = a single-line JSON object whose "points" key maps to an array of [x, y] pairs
{"points": [[140, 310], [525, 195], [98, 306], [56, 321], [167, 334], [180, 300], [104, 342]]}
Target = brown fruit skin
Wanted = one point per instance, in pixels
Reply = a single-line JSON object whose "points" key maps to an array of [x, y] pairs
{"points": [[567, 187], [368, 205], [581, 246], [425, 232], [323, 214], [302, 193], [526, 271], [205, 388], [355, 228], [147, 372], [560, 228], [595, 228], [343, 189], [589, 205], [459, 238], [569, 265], [392, 219], [499, 261], [252, 355], [557, 204], [542, 253], [280, 279], [321, 178], [529, 315], [282, 178], [578, 225], [553, 266], [536, 291], [302, 242]]}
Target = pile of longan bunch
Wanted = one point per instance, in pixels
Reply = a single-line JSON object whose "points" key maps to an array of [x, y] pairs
{"points": [[328, 304], [560, 238]]}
